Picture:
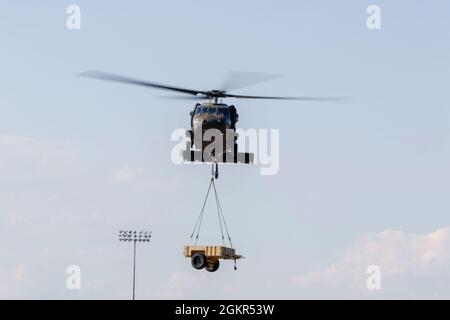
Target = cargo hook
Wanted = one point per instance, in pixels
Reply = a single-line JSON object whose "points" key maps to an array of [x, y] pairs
{"points": [[215, 172]]}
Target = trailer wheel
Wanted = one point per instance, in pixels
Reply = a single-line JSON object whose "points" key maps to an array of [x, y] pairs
{"points": [[213, 266], [199, 261]]}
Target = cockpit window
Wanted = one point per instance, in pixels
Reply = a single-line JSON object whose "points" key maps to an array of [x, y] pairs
{"points": [[212, 110], [201, 110], [223, 111]]}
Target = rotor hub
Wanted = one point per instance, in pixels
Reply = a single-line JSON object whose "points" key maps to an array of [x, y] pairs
{"points": [[215, 93]]}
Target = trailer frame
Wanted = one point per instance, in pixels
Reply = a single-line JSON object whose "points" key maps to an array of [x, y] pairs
{"points": [[208, 256]]}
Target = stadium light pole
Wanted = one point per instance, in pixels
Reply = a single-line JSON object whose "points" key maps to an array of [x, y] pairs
{"points": [[134, 236]]}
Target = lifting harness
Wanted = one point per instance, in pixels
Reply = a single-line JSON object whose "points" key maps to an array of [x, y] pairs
{"points": [[220, 215]]}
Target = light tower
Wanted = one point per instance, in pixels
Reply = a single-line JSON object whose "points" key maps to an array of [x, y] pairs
{"points": [[134, 236]]}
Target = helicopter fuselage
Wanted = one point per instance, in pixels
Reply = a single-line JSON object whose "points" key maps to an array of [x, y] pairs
{"points": [[211, 115]]}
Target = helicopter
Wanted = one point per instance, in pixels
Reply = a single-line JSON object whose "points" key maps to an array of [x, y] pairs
{"points": [[212, 114]]}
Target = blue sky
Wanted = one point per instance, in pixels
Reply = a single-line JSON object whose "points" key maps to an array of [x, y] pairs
{"points": [[360, 183]]}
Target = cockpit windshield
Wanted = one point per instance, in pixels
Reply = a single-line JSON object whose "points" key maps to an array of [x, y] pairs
{"points": [[201, 110], [223, 111], [213, 110]]}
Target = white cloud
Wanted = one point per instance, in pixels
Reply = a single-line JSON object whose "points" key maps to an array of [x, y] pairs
{"points": [[401, 256], [126, 173]]}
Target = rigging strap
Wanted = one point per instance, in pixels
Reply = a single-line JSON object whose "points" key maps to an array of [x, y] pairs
{"points": [[220, 215]]}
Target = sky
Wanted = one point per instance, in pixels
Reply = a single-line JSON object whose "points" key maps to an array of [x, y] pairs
{"points": [[360, 183]]}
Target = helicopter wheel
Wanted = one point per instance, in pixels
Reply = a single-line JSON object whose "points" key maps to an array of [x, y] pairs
{"points": [[190, 137]]}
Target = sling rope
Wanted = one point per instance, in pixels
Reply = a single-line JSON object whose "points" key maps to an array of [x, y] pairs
{"points": [[220, 215], [223, 216], [200, 217]]}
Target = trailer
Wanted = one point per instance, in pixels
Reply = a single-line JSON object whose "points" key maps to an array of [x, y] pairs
{"points": [[208, 256]]}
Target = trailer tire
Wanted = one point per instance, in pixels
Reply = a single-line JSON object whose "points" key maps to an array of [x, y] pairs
{"points": [[199, 261], [213, 266]]}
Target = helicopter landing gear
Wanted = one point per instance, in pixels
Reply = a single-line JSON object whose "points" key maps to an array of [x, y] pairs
{"points": [[190, 136]]}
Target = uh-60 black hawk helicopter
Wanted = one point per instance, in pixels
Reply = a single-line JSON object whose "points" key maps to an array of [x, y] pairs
{"points": [[212, 114]]}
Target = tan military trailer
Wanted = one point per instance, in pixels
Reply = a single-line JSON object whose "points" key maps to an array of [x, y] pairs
{"points": [[208, 256]]}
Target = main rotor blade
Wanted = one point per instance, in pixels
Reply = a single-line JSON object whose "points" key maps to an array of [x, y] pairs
{"points": [[180, 97], [241, 79], [332, 99], [117, 78]]}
